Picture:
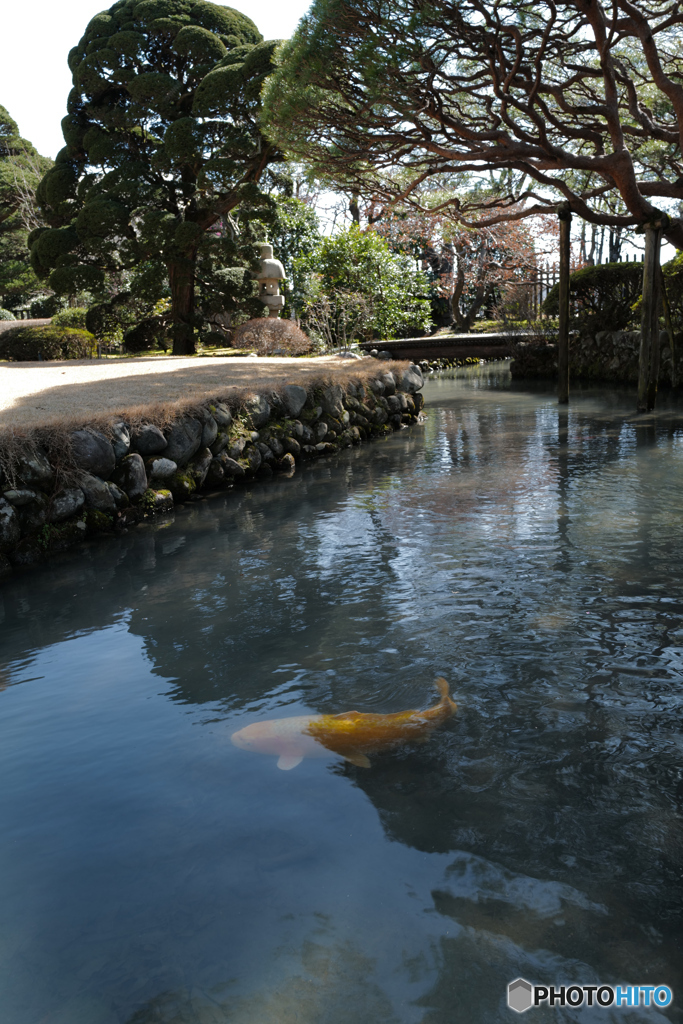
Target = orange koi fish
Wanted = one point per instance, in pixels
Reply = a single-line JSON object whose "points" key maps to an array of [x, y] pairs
{"points": [[352, 735]]}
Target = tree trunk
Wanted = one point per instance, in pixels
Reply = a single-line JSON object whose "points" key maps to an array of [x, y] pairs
{"points": [[181, 280], [648, 363], [565, 217]]}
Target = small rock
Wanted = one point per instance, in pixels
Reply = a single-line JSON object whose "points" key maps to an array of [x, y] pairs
{"points": [[325, 448], [184, 439], [97, 493], [230, 467], [161, 469], [292, 447], [306, 435], [200, 466], [222, 415], [10, 530], [384, 355], [93, 453], [5, 566], [320, 431], [253, 457], [293, 399], [120, 439], [298, 428], [34, 470], [389, 382], [333, 401], [216, 473], [120, 497], [237, 449], [220, 444], [412, 379], [265, 470], [20, 497], [394, 404], [66, 503], [347, 353], [130, 475], [159, 501], [266, 452], [276, 447], [209, 431], [148, 440], [377, 386], [286, 464], [316, 414]]}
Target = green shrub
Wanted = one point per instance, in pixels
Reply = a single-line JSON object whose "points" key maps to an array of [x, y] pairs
{"points": [[6, 315], [44, 306], [602, 297], [74, 317], [20, 344]]}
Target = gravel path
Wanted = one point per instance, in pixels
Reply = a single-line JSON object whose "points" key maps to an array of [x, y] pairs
{"points": [[38, 394]]}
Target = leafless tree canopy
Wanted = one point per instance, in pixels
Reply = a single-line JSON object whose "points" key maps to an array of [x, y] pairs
{"points": [[565, 101]]}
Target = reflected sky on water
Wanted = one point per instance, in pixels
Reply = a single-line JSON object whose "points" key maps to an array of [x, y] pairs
{"points": [[152, 872]]}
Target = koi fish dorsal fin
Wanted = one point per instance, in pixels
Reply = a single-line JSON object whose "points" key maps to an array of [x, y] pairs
{"points": [[355, 757]]}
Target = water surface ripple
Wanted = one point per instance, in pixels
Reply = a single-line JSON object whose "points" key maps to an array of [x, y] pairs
{"points": [[152, 872]]}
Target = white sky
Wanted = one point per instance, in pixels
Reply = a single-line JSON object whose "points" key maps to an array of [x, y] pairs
{"points": [[38, 34]]}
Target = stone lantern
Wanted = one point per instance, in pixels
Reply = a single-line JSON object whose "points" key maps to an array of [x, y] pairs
{"points": [[269, 277]]}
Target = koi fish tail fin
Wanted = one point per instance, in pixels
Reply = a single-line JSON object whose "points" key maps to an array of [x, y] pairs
{"points": [[442, 687]]}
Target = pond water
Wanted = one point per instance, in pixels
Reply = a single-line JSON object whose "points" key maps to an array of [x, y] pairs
{"points": [[151, 871]]}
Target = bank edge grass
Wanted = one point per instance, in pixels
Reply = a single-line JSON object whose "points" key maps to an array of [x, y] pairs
{"points": [[53, 436]]}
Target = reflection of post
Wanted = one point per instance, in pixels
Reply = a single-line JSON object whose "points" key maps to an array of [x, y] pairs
{"points": [[563, 561], [648, 363], [565, 216]]}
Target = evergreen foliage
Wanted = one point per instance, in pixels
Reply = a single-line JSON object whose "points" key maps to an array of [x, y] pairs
{"points": [[602, 297], [162, 159], [21, 169]]}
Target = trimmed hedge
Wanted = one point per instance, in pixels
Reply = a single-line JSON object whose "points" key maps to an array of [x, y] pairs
{"points": [[74, 317], [673, 279], [602, 297], [29, 344], [5, 314]]}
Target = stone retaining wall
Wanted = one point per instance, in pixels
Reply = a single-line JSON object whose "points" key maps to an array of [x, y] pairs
{"points": [[609, 356], [96, 480]]}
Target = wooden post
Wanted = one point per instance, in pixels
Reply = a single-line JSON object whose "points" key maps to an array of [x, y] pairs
{"points": [[648, 362], [565, 216]]}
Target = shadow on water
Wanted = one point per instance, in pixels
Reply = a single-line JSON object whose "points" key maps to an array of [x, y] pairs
{"points": [[156, 874]]}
